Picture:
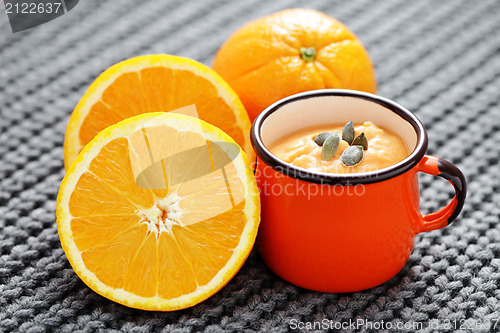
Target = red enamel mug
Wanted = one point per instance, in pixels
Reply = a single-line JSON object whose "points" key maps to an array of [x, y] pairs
{"points": [[344, 232]]}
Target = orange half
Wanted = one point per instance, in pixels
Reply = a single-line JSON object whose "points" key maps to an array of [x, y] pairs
{"points": [[154, 83], [149, 224]]}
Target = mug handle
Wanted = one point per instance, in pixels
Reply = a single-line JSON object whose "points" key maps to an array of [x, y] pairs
{"points": [[439, 167]]}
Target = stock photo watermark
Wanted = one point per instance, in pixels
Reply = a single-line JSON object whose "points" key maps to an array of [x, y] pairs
{"points": [[290, 186], [365, 324], [27, 14]]}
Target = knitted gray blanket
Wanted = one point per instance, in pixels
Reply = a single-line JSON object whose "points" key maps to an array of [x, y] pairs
{"points": [[439, 59]]}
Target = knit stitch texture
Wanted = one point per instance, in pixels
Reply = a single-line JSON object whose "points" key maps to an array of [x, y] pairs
{"points": [[439, 59]]}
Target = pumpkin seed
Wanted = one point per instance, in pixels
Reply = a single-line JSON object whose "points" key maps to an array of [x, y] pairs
{"points": [[330, 146], [352, 156], [321, 137], [361, 141], [348, 132]]}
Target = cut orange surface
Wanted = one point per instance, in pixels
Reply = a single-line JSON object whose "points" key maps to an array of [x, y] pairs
{"points": [[292, 51], [154, 83], [158, 212]]}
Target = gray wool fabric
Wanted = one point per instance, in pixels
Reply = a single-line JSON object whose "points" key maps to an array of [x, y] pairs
{"points": [[439, 59]]}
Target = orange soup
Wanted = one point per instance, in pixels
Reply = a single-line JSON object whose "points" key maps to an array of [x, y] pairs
{"points": [[299, 149]]}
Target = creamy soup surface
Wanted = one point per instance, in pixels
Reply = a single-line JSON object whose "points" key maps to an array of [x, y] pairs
{"points": [[384, 149]]}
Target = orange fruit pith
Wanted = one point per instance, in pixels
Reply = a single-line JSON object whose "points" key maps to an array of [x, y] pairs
{"points": [[132, 244], [292, 51], [154, 83]]}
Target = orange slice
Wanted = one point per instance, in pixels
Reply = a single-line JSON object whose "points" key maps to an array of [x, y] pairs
{"points": [[158, 212], [153, 83]]}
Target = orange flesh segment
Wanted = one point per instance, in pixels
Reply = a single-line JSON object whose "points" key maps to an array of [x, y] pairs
{"points": [[142, 276], [124, 97], [116, 244], [112, 165], [92, 231], [176, 274], [218, 230], [206, 256], [93, 197], [111, 262], [98, 118], [159, 89]]}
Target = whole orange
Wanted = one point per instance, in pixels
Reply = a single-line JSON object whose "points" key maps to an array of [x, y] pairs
{"points": [[292, 51]]}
